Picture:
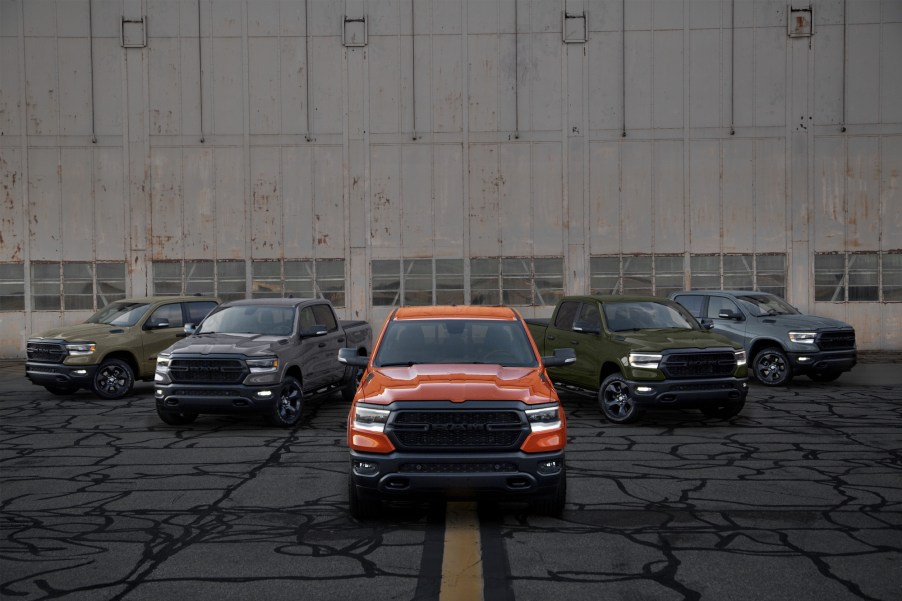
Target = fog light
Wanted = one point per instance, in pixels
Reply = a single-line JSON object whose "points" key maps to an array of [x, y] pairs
{"points": [[550, 467], [264, 394], [804, 359], [81, 372], [365, 468], [644, 389], [158, 393]]}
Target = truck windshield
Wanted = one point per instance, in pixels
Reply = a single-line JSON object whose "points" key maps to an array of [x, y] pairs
{"points": [[765, 304], [455, 341], [646, 315], [120, 314], [250, 319]]}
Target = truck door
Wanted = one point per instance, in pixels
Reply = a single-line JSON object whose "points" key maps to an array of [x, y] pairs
{"points": [[160, 331], [728, 319], [558, 335], [329, 344]]}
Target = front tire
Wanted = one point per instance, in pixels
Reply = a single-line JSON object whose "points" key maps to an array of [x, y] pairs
{"points": [[113, 380], [616, 402], [771, 367], [287, 410]]}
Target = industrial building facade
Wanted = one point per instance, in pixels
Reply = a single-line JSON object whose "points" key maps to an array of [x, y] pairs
{"points": [[389, 152]]}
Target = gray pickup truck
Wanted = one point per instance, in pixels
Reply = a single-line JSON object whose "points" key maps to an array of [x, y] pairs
{"points": [[261, 356], [780, 341]]}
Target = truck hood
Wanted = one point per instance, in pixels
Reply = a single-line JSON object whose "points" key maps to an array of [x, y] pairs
{"points": [[250, 345], [456, 383], [660, 340], [82, 332], [803, 322]]}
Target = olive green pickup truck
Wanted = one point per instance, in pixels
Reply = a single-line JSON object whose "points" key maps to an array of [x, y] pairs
{"points": [[640, 352]]}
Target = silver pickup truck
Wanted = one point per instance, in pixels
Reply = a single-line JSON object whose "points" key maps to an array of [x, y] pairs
{"points": [[261, 356], [780, 341]]}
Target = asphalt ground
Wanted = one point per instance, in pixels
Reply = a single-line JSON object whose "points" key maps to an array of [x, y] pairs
{"points": [[798, 498]]}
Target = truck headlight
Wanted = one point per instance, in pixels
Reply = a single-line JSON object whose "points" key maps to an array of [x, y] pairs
{"points": [[81, 348], [740, 357], [262, 366], [803, 337], [547, 418], [645, 360], [163, 364], [371, 420]]}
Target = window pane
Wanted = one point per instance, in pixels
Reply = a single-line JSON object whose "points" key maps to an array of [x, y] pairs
{"points": [[604, 275], [45, 286], [516, 282], [330, 280], [863, 284], [230, 283], [485, 288], [110, 283], [386, 282], [299, 279], [449, 281], [829, 278], [549, 280], [12, 286], [78, 286], [199, 278], [770, 274], [892, 277], [668, 274], [637, 275], [267, 279], [738, 272], [704, 272], [418, 282], [167, 277]]}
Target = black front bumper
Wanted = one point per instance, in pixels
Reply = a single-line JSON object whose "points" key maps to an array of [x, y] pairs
{"points": [[58, 374], [510, 475], [823, 361], [689, 393], [212, 398]]}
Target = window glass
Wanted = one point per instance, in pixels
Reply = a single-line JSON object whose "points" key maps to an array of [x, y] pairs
{"points": [[516, 281], [668, 274], [230, 284], [171, 313], [299, 279], [198, 310], [770, 274], [167, 277], [549, 280], [330, 280], [307, 320], [829, 278], [566, 314], [892, 277], [485, 288], [692, 302], [386, 278], [417, 282], [12, 286], [78, 286], [718, 305], [589, 315], [45, 286], [637, 275], [199, 278], [110, 283], [738, 272], [324, 316], [604, 275], [705, 272], [266, 280], [449, 281], [863, 282]]}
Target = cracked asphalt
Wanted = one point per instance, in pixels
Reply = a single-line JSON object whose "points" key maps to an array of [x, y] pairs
{"points": [[797, 498]]}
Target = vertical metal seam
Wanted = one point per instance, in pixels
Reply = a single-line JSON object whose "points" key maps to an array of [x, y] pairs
{"points": [[200, 74], [307, 134], [23, 168], [91, 67], [516, 71], [465, 150], [413, 65], [733, 68], [622, 79], [246, 148]]}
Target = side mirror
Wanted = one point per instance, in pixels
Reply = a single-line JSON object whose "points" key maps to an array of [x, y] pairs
{"points": [[729, 314], [706, 323], [350, 356], [586, 326], [561, 357], [315, 330], [158, 324], [190, 328]]}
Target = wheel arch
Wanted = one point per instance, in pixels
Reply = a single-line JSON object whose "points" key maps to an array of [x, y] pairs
{"points": [[763, 343], [608, 368], [123, 356]]}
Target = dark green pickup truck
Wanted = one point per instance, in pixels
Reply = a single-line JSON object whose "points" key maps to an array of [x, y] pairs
{"points": [[639, 352]]}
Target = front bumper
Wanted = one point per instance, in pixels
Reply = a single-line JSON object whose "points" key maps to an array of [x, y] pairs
{"points": [[211, 398], [822, 361], [59, 374], [509, 475], [689, 393]]}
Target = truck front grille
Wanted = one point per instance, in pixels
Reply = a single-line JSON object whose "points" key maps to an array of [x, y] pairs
{"points": [[696, 365], [49, 352], [835, 341], [207, 371], [457, 468], [457, 429]]}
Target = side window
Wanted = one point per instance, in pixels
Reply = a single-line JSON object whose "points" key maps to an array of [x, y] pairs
{"points": [[324, 316], [307, 319], [719, 304], [196, 311], [692, 302], [171, 313], [589, 314], [565, 315]]}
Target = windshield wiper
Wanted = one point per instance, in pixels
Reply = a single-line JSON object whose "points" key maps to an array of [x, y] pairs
{"points": [[399, 364]]}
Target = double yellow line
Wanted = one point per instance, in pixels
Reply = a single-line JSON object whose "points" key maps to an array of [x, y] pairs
{"points": [[462, 557]]}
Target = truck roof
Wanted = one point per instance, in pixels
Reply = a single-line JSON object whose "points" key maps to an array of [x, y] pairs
{"points": [[616, 298], [456, 312], [272, 302]]}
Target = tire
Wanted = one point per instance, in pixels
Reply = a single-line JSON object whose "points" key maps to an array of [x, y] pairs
{"points": [[552, 504], [349, 387], [616, 402], [62, 390], [723, 411], [362, 506], [287, 409], [176, 418], [113, 379], [771, 367], [825, 376]]}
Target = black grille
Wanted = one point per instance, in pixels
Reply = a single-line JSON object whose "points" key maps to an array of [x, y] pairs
{"points": [[458, 429], [46, 351], [457, 468], [204, 392], [694, 365], [202, 371], [832, 341]]}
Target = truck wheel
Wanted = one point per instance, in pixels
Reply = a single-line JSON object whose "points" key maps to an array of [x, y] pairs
{"points": [[616, 402], [771, 367], [349, 388], [552, 504], [362, 506], [61, 390], [175, 418], [723, 411], [287, 409], [113, 380], [825, 376]]}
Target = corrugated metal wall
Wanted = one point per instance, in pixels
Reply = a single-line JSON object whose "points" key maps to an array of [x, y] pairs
{"points": [[388, 129]]}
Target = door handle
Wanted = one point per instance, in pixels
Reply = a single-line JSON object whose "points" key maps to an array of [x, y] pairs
{"points": [[574, 342], [322, 344], [549, 337]]}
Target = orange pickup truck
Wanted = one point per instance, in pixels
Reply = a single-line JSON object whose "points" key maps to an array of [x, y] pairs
{"points": [[455, 401]]}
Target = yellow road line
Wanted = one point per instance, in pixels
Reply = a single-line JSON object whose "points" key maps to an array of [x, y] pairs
{"points": [[462, 558]]}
